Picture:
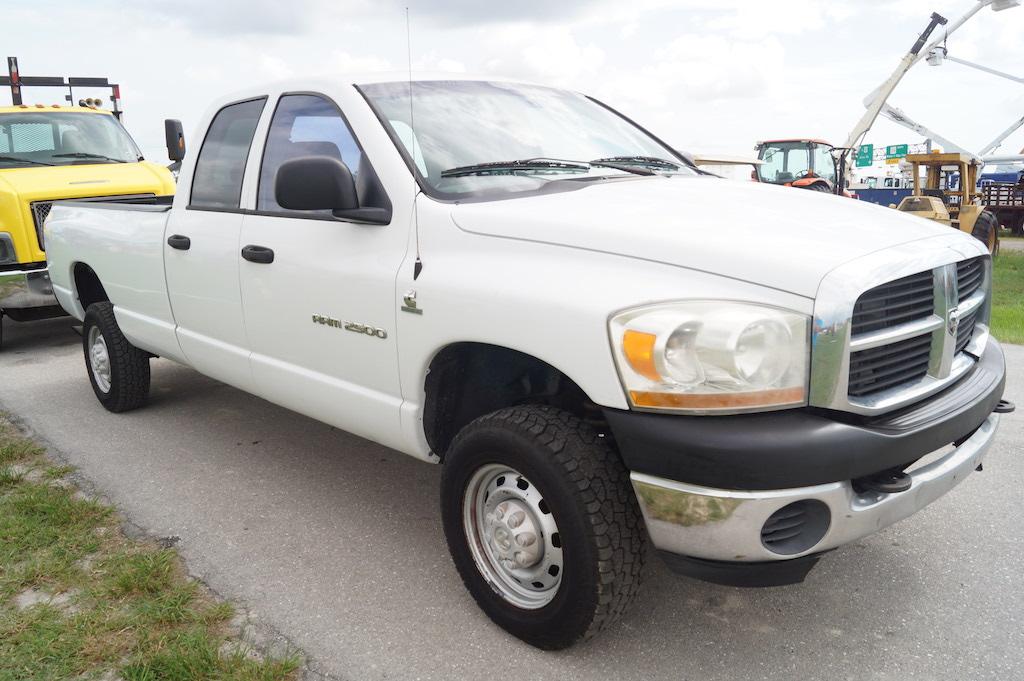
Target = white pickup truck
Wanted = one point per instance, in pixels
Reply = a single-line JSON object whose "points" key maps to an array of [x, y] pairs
{"points": [[600, 343]]}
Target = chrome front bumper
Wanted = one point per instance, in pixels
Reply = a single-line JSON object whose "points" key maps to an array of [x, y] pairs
{"points": [[26, 289], [725, 525]]}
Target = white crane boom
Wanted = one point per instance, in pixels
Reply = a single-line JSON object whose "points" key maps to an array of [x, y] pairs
{"points": [[875, 102], [897, 116]]}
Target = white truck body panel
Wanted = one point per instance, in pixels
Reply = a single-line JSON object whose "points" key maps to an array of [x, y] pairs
{"points": [[127, 253], [701, 223]]}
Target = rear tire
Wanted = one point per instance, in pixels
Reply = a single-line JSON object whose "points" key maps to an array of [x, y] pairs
{"points": [[118, 371], [542, 472]]}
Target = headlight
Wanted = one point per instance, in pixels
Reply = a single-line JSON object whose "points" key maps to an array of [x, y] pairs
{"points": [[712, 356]]}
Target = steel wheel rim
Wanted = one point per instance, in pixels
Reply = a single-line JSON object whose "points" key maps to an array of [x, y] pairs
{"points": [[99, 359], [501, 510]]}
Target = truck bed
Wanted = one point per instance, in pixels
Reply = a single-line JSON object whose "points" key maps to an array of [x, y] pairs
{"points": [[122, 242]]}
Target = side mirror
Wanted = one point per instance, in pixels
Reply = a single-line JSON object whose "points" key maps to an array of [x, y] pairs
{"points": [[315, 183], [324, 183], [175, 139]]}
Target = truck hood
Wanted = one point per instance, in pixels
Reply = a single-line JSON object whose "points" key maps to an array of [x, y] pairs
{"points": [[780, 237], [94, 179]]}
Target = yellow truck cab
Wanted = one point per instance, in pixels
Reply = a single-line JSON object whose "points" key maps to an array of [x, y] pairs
{"points": [[49, 153]]}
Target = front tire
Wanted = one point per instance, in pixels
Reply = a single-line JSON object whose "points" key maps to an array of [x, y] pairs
{"points": [[542, 524], [118, 371]]}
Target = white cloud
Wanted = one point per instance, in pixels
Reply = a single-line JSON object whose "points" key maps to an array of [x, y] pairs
{"points": [[703, 74]]}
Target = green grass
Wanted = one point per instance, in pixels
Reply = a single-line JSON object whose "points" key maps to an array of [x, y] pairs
{"points": [[1008, 296], [104, 603]]}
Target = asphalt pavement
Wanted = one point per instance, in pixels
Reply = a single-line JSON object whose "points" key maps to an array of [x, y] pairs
{"points": [[336, 543]]}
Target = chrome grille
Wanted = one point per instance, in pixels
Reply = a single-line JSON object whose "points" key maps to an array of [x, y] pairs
{"points": [[883, 367], [965, 331], [969, 275], [895, 303], [907, 330], [837, 348]]}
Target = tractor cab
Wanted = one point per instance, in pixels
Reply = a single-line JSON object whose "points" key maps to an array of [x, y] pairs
{"points": [[948, 194], [804, 163]]}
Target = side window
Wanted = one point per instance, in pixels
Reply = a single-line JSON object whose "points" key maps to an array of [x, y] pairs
{"points": [[824, 165], [217, 182], [308, 125]]}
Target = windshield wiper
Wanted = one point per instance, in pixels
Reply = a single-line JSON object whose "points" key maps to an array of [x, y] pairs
{"points": [[24, 160], [626, 167], [542, 164], [85, 154], [638, 161], [498, 167]]}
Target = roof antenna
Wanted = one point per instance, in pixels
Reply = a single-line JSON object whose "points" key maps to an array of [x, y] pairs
{"points": [[418, 266]]}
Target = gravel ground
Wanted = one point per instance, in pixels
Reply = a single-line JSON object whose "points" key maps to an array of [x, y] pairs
{"points": [[336, 542]]}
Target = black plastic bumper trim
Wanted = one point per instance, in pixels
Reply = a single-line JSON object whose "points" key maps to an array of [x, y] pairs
{"points": [[771, 573], [803, 447]]}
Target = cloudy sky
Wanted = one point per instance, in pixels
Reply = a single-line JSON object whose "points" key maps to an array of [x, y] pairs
{"points": [[705, 75]]}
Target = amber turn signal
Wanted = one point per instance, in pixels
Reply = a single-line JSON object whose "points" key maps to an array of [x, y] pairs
{"points": [[639, 350]]}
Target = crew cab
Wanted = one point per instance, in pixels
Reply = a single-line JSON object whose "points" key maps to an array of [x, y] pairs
{"points": [[526, 287], [49, 153]]}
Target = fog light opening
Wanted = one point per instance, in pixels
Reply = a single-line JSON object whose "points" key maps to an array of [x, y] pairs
{"points": [[796, 527]]}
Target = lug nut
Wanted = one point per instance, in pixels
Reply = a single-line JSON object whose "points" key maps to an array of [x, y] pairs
{"points": [[526, 539], [516, 519], [521, 559]]}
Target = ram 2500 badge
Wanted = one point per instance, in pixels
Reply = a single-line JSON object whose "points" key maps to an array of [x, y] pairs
{"points": [[602, 345]]}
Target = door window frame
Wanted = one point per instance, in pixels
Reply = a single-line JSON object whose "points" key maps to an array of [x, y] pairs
{"points": [[297, 215]]}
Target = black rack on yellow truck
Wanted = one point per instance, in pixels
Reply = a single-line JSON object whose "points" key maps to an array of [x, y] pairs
{"points": [[16, 82]]}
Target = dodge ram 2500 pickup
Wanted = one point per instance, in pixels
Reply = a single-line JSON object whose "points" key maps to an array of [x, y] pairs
{"points": [[601, 344]]}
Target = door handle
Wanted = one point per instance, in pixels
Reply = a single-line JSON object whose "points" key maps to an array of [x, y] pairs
{"points": [[258, 254], [181, 243]]}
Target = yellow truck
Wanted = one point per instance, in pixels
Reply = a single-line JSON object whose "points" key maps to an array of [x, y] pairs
{"points": [[48, 153]]}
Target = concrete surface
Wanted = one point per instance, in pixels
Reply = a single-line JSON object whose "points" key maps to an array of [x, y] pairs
{"points": [[336, 542]]}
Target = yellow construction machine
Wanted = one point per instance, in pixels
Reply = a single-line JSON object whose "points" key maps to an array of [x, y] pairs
{"points": [[950, 195]]}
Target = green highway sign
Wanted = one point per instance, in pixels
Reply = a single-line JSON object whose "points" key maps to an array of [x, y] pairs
{"points": [[896, 150], [865, 155]]}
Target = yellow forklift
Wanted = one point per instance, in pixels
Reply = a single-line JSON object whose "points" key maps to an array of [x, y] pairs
{"points": [[950, 195]]}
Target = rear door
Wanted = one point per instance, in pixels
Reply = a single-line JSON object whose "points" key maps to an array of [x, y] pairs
{"points": [[202, 250], [321, 316]]}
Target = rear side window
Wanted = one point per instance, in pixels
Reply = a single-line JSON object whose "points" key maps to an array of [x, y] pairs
{"points": [[305, 125], [217, 182]]}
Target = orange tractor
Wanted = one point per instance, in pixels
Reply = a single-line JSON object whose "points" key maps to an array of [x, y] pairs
{"points": [[804, 163]]}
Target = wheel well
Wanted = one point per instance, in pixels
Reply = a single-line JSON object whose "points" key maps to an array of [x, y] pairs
{"points": [[88, 286], [467, 380]]}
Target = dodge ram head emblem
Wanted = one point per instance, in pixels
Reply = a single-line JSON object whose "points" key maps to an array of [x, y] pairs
{"points": [[953, 320]]}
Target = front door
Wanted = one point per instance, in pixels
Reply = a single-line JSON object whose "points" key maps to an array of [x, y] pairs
{"points": [[202, 251], [321, 315]]}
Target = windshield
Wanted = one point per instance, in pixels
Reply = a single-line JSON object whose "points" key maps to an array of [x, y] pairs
{"points": [[524, 136], [44, 138], [788, 161]]}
